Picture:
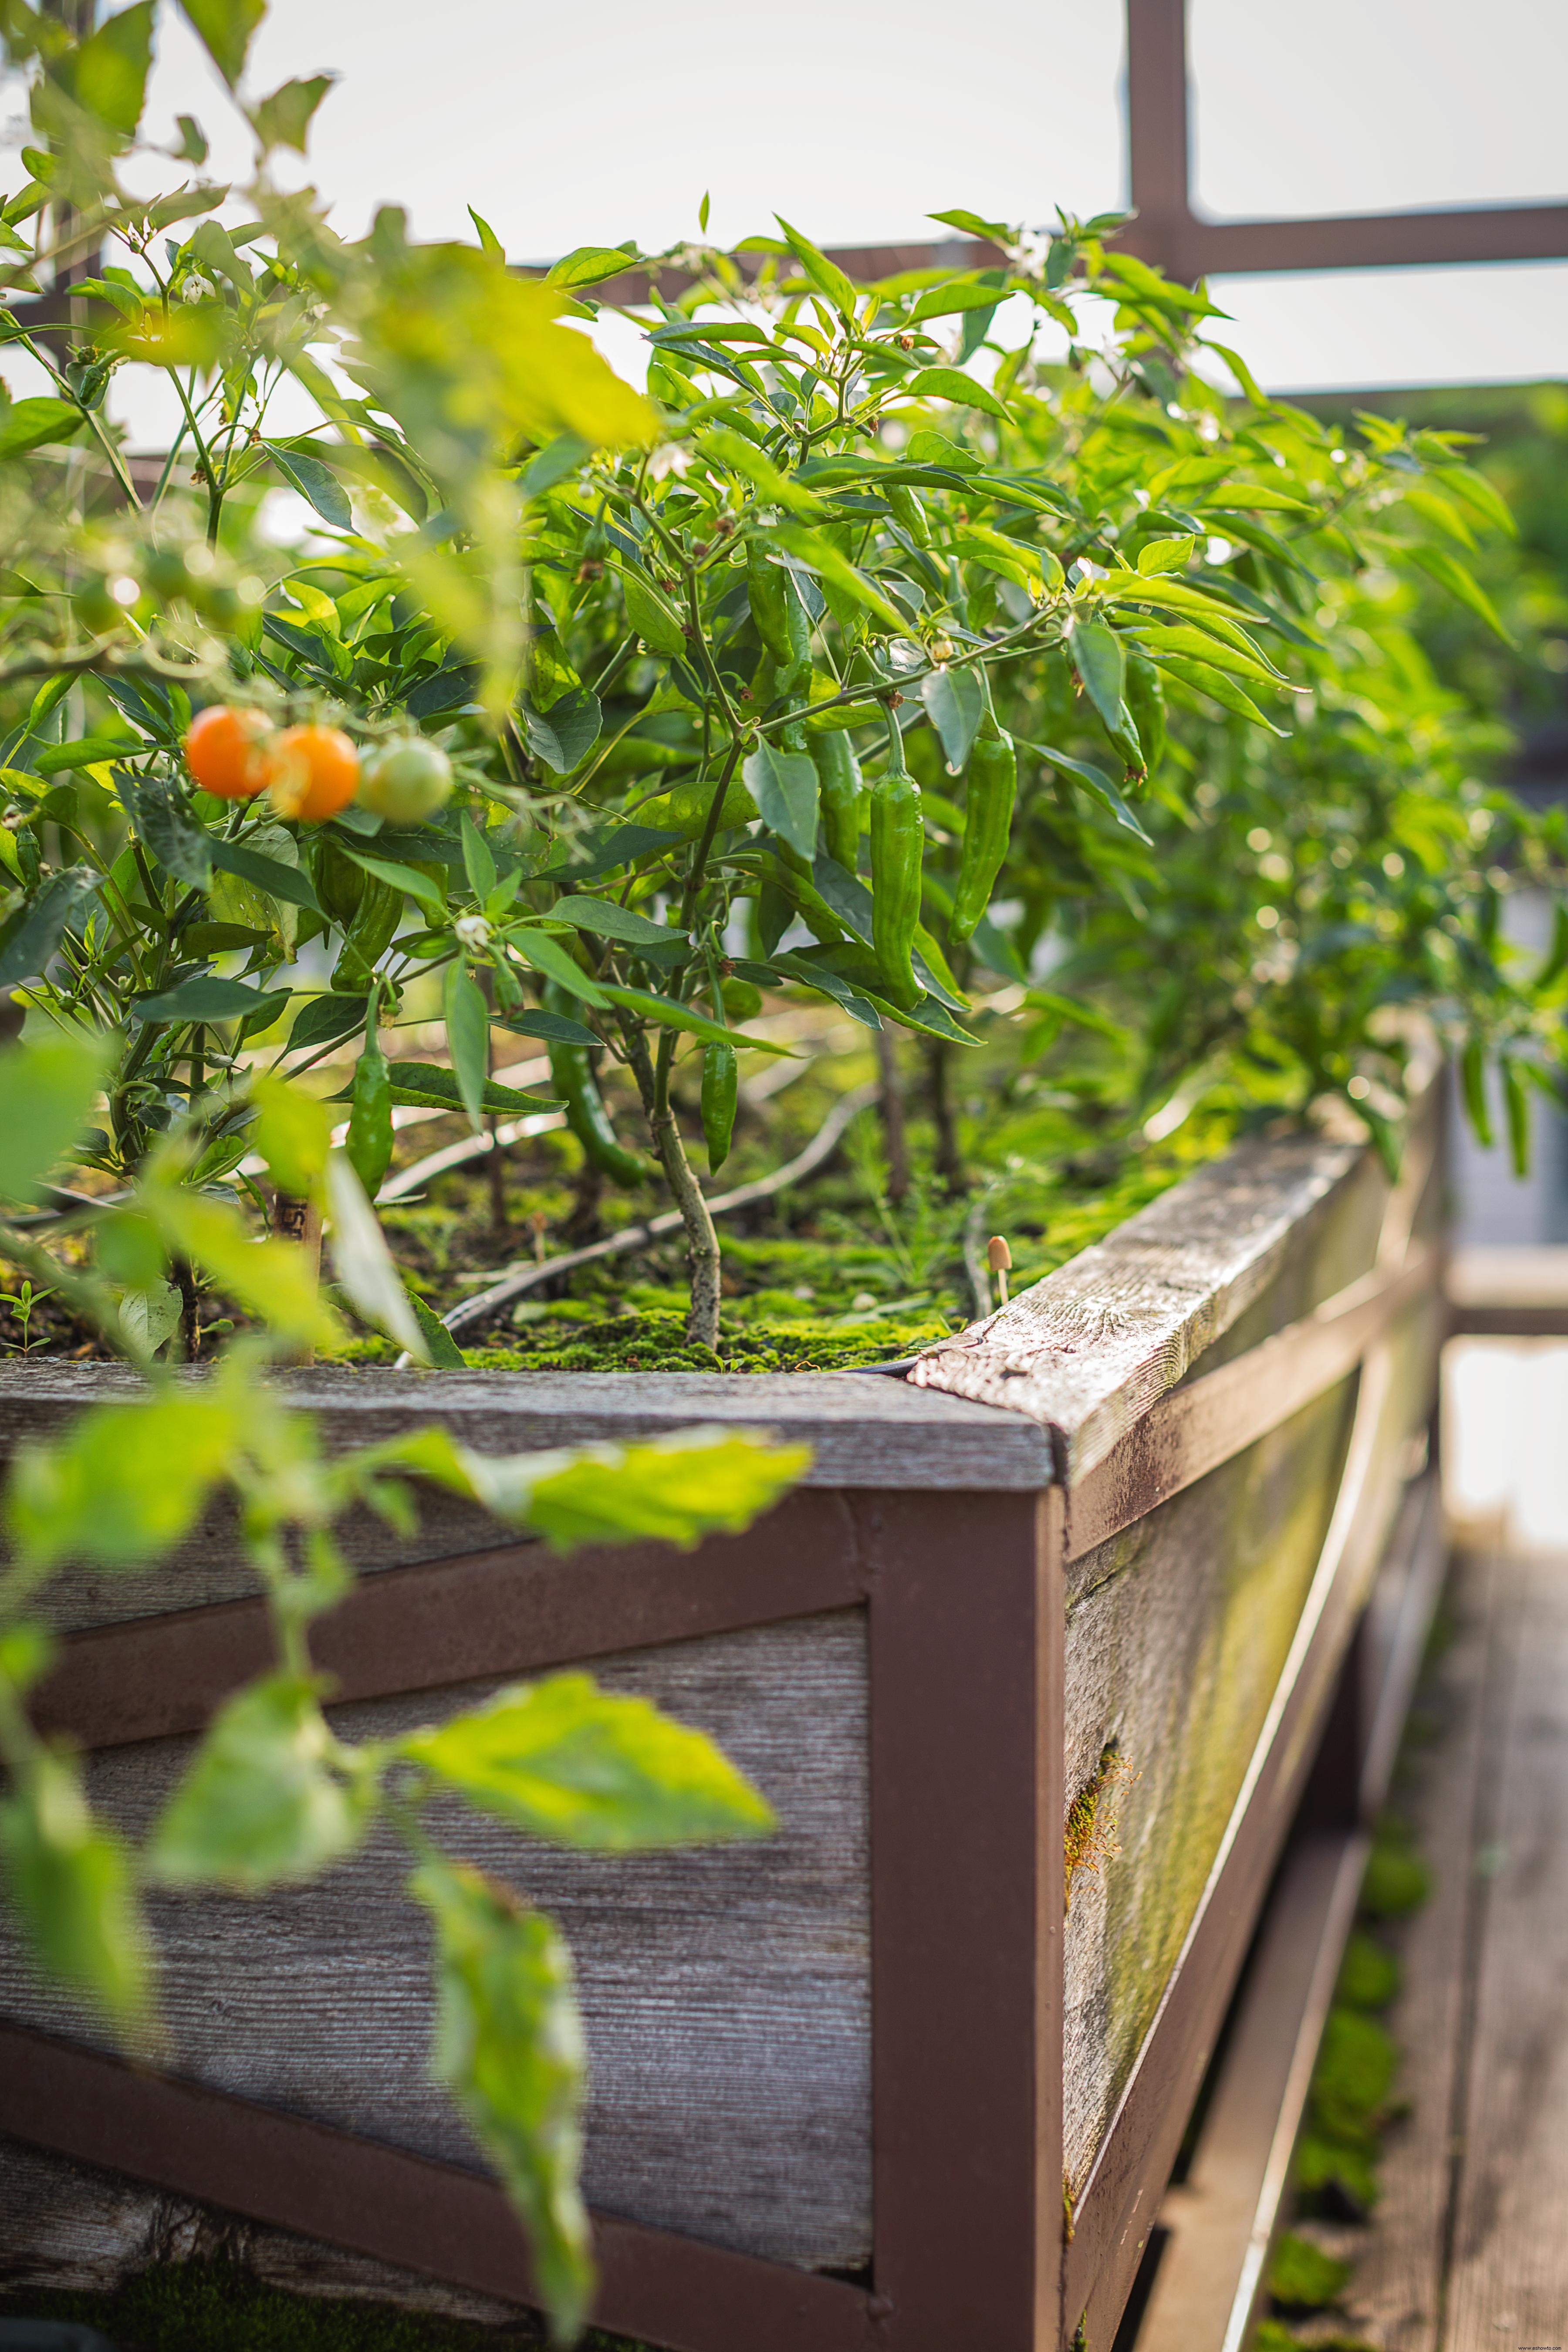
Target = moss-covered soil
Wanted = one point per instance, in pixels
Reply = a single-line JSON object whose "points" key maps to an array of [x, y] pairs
{"points": [[217, 2306], [848, 1267]]}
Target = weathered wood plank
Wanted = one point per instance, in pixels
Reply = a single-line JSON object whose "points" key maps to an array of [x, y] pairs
{"points": [[1087, 1350], [1177, 1632], [867, 1431], [1242, 1248], [726, 1993], [1508, 2280], [1395, 2294]]}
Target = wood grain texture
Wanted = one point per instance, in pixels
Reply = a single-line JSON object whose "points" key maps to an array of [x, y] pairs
{"points": [[726, 1993], [1509, 2279], [72, 2228], [1177, 1632], [1087, 1350], [1395, 2296]]}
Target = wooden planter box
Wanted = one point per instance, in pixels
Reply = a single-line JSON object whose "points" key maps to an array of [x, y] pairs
{"points": [[865, 2084]]}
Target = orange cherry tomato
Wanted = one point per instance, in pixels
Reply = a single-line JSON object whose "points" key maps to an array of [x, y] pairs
{"points": [[315, 773], [227, 751]]}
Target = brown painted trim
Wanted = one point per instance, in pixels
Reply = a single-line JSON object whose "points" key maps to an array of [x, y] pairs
{"points": [[511, 1610], [1475, 1320], [436, 2218], [1118, 2203], [966, 1643], [1194, 1428], [1375, 240]]}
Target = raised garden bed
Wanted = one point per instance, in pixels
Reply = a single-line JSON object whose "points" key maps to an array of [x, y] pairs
{"points": [[1067, 1602]]}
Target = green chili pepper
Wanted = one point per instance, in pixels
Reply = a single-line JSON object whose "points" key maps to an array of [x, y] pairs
{"points": [[339, 882], [1146, 702], [783, 622], [370, 1114], [839, 775], [991, 789], [720, 1089], [1516, 1101], [897, 845], [1473, 1079], [572, 1073], [368, 935]]}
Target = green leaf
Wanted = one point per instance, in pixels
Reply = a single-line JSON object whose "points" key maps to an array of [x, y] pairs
{"points": [[547, 955], [362, 1263], [488, 241], [85, 751], [28, 424], [69, 1882], [1204, 678], [682, 1016], [181, 845], [508, 2047], [588, 265], [441, 1348], [818, 555], [567, 731], [1094, 780], [952, 383], [293, 1133], [63, 899], [478, 859], [1166, 555], [225, 27], [677, 1489], [315, 483], [554, 1027], [723, 447], [825, 275], [284, 119], [322, 1021], [125, 1484], [111, 67], [959, 294], [656, 622], [421, 887], [554, 462], [609, 921], [786, 787], [261, 1805], [467, 1019], [993, 232], [955, 704], [270, 875], [574, 1764], [431, 1086], [1098, 658], [1451, 573], [48, 1090], [205, 997]]}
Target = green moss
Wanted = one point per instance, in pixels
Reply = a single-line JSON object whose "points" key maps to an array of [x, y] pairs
{"points": [[1369, 1976], [1303, 2278], [1397, 1880], [1354, 2074], [1330, 2176], [1091, 1832], [204, 2305], [1273, 2335]]}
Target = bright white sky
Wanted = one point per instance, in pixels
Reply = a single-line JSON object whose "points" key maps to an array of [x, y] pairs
{"points": [[602, 120]]}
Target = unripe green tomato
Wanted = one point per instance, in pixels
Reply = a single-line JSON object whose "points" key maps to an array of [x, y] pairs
{"points": [[741, 1000], [405, 781], [95, 608], [165, 573]]}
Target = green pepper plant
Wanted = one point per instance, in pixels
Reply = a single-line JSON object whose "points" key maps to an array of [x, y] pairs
{"points": [[273, 1793], [837, 662]]}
